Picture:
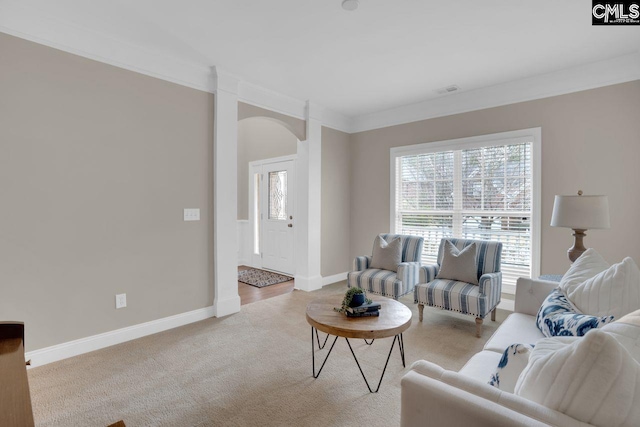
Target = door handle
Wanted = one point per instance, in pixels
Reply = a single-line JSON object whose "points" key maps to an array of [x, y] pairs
{"points": [[289, 225]]}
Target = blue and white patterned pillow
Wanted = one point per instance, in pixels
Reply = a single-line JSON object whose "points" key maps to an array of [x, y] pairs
{"points": [[514, 359], [558, 317]]}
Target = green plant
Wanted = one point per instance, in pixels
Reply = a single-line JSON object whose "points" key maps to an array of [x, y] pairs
{"points": [[348, 296]]}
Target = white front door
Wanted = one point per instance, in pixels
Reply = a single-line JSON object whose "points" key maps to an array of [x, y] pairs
{"points": [[277, 200]]}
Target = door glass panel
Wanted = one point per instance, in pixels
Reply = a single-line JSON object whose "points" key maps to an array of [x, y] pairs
{"points": [[278, 195]]}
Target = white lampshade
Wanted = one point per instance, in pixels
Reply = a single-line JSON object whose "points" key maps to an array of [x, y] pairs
{"points": [[580, 212]]}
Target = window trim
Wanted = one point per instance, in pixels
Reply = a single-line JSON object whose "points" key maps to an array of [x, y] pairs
{"points": [[503, 138]]}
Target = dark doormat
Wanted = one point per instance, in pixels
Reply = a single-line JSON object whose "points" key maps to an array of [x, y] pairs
{"points": [[261, 278]]}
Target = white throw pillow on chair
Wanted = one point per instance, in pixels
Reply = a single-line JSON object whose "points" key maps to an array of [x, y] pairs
{"points": [[386, 255], [459, 264]]}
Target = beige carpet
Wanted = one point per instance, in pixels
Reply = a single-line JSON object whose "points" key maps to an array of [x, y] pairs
{"points": [[249, 369]]}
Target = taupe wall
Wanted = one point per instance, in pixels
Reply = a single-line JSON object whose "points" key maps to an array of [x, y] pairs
{"points": [[336, 196], [590, 141], [96, 166], [259, 138]]}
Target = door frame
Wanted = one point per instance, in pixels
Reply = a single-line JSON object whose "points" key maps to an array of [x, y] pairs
{"points": [[255, 259]]}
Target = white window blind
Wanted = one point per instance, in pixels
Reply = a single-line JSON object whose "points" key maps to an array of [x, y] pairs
{"points": [[473, 191]]}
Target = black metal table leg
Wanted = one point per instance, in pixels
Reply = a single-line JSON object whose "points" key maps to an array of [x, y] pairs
{"points": [[313, 352], [369, 343], [397, 337], [401, 347], [318, 339]]}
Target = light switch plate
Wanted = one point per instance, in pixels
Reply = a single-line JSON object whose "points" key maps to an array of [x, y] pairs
{"points": [[192, 214]]}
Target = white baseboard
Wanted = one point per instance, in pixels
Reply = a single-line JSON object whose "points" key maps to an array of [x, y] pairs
{"points": [[96, 342], [308, 284], [327, 280], [226, 306]]}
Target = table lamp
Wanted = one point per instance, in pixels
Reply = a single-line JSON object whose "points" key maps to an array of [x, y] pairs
{"points": [[580, 213]]}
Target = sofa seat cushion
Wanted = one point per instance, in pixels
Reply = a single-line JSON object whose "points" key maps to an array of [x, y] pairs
{"points": [[518, 328], [382, 282], [481, 366]]}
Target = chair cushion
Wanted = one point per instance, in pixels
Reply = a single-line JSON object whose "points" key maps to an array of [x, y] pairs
{"points": [[459, 264], [453, 295], [517, 328], [382, 282], [386, 254]]}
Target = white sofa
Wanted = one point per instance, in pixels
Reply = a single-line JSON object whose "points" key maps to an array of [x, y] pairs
{"points": [[432, 396]]}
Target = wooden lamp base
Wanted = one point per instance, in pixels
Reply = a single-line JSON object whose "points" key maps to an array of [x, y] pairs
{"points": [[578, 248]]}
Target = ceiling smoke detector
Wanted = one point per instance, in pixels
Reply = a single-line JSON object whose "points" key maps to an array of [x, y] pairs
{"points": [[350, 5], [449, 89]]}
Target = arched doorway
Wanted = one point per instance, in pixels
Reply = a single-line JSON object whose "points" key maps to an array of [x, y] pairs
{"points": [[266, 185]]}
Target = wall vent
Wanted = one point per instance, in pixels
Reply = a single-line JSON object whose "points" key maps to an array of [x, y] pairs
{"points": [[449, 89]]}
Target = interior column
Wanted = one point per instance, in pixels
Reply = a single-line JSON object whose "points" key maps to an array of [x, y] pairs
{"points": [[225, 152], [308, 208]]}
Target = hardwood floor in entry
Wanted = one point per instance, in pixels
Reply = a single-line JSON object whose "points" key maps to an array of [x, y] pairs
{"points": [[249, 294]]}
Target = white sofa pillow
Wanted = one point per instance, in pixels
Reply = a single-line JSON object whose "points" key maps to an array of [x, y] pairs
{"points": [[585, 267], [614, 291], [592, 379], [627, 331]]}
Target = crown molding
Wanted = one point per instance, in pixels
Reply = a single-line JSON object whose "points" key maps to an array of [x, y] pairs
{"points": [[30, 24], [223, 81], [258, 96], [314, 111], [589, 76]]}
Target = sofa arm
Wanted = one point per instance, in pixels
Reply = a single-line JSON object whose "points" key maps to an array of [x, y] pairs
{"points": [[408, 273], [530, 293], [428, 273], [361, 263], [431, 395]]}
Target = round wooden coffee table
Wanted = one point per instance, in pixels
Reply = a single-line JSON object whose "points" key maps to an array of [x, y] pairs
{"points": [[394, 319]]}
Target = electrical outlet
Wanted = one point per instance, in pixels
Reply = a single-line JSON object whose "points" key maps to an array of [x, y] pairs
{"points": [[192, 214], [121, 300]]}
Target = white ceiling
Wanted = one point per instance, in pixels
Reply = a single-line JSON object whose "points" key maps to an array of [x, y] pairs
{"points": [[386, 54]]}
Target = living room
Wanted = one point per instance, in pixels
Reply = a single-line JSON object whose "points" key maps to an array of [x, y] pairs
{"points": [[115, 118]]}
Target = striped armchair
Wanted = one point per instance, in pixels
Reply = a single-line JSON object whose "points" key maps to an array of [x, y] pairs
{"points": [[475, 300], [389, 283]]}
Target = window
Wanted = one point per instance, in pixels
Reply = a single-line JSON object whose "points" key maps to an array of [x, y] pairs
{"points": [[278, 195], [476, 188]]}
